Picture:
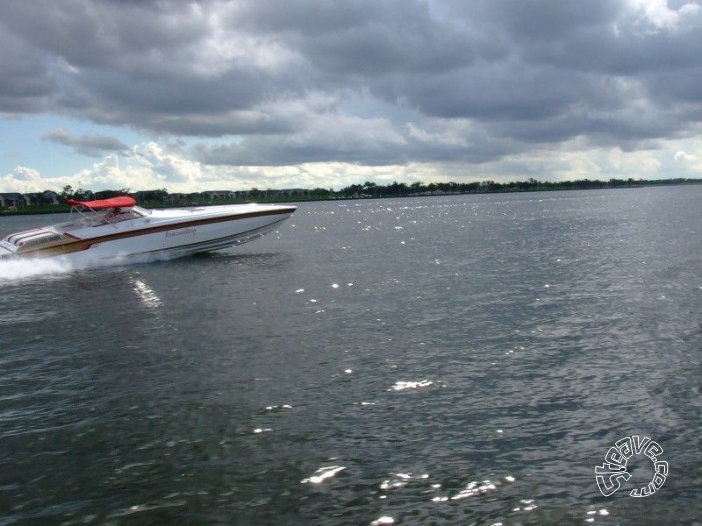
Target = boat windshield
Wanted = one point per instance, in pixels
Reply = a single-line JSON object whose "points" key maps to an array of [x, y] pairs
{"points": [[138, 211], [88, 218], [118, 214]]}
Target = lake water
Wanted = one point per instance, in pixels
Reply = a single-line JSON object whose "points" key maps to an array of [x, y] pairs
{"points": [[448, 360]]}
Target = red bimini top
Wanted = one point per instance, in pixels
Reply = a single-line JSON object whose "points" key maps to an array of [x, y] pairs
{"points": [[101, 204]]}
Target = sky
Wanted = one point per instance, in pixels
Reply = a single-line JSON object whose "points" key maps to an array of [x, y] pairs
{"points": [[233, 95]]}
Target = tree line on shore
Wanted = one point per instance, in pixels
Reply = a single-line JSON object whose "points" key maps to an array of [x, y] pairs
{"points": [[161, 197], [373, 190]]}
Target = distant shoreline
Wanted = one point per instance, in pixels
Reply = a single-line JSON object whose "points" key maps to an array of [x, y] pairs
{"points": [[356, 192]]}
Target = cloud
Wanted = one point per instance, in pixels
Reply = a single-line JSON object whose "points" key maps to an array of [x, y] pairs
{"points": [[662, 16], [25, 85], [113, 172], [691, 159], [171, 166], [22, 173], [326, 137], [91, 145], [399, 83], [23, 179]]}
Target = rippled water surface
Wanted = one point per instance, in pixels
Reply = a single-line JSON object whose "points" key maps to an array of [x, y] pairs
{"points": [[449, 360]]}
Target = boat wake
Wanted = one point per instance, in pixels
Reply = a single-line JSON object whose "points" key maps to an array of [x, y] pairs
{"points": [[16, 270]]}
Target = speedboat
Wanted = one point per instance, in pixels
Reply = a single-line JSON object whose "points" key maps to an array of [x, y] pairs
{"points": [[118, 228]]}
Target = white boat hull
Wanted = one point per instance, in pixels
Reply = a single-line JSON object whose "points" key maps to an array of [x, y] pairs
{"points": [[160, 234]]}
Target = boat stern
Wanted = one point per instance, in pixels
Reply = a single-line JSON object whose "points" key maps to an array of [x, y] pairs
{"points": [[7, 250], [32, 243]]}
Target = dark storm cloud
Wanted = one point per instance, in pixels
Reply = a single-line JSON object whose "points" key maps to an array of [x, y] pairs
{"points": [[366, 37], [24, 82], [92, 145], [474, 81]]}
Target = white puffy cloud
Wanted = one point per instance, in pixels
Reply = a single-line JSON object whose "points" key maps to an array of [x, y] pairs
{"points": [[21, 179], [22, 173], [663, 16], [691, 160]]}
